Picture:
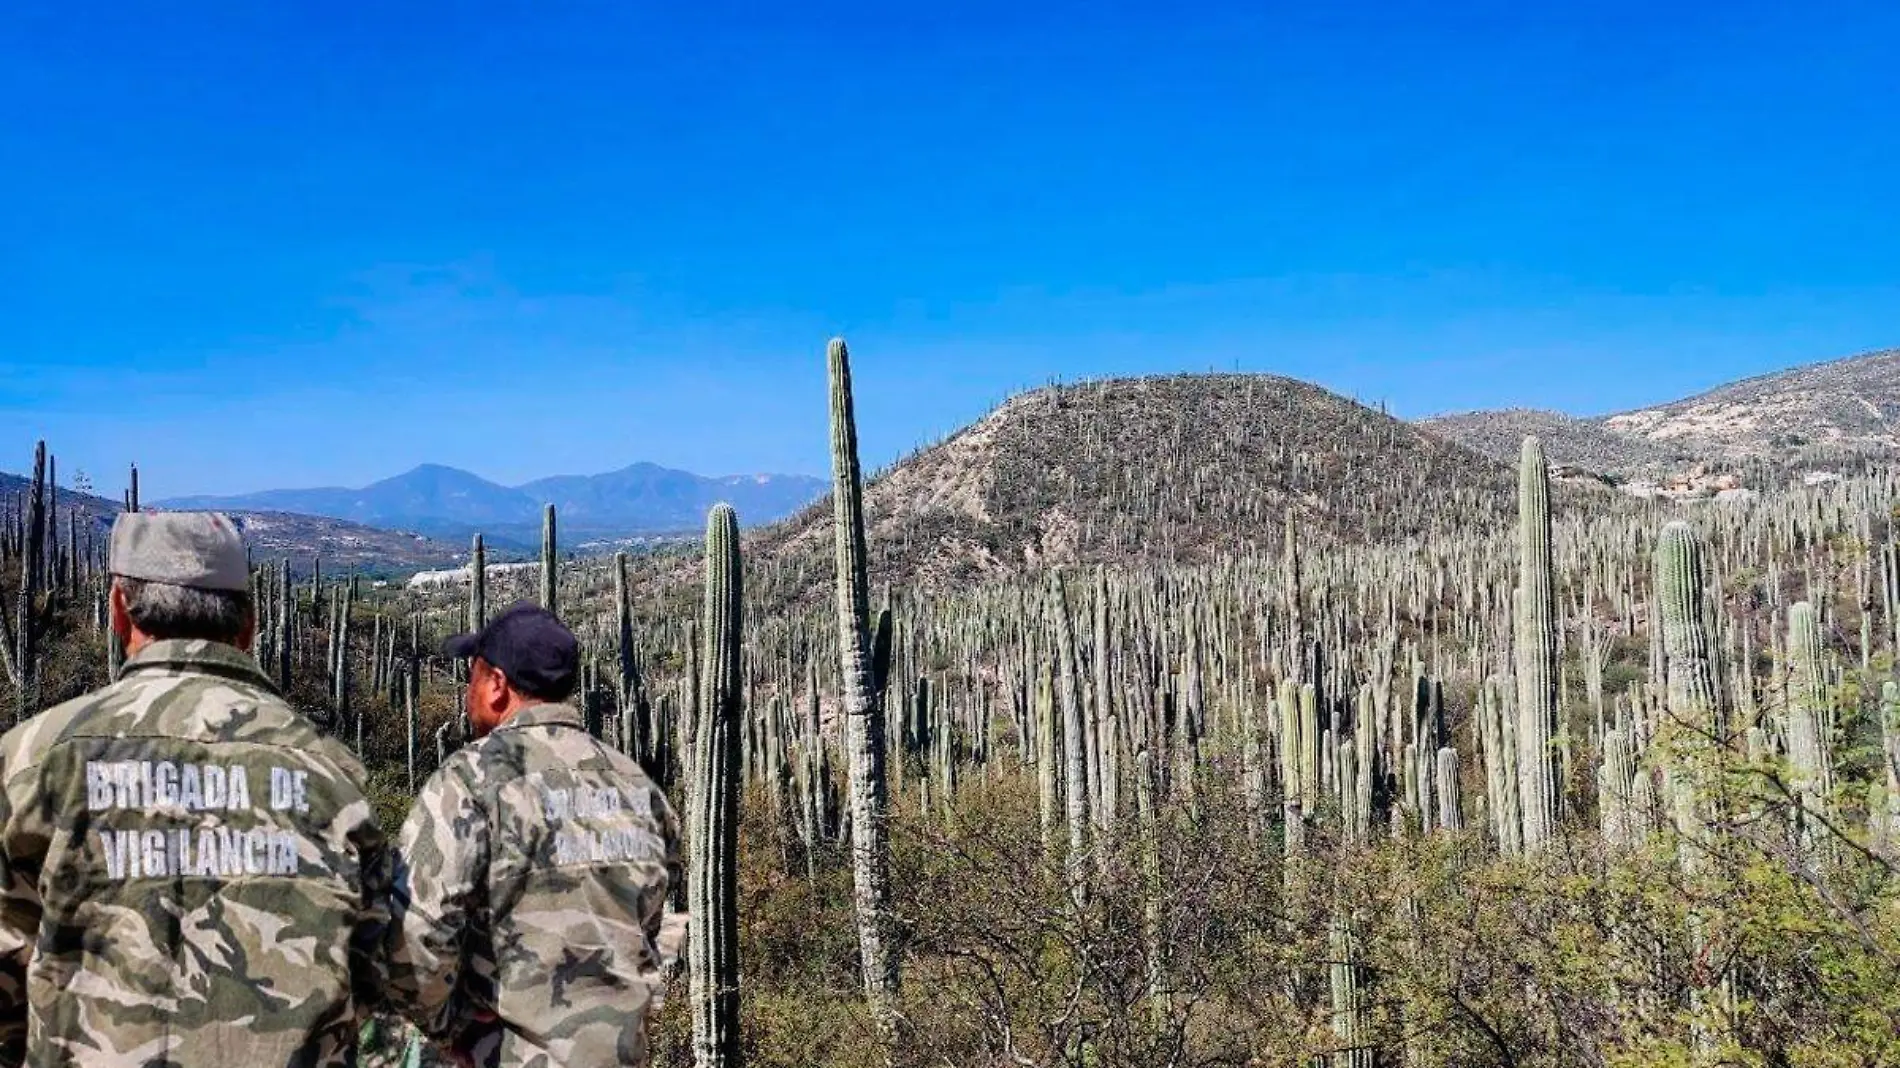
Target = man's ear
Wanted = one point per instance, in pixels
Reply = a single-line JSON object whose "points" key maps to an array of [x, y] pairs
{"points": [[482, 675], [119, 617], [249, 633]]}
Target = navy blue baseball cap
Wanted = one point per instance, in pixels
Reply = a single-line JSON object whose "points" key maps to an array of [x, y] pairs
{"points": [[532, 648]]}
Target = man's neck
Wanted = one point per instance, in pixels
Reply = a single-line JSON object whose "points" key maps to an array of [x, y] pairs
{"points": [[516, 705], [136, 642]]}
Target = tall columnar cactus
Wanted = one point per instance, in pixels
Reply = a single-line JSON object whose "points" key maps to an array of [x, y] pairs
{"points": [[861, 690], [1810, 720], [1535, 653], [633, 703], [411, 681], [1890, 590], [1498, 739], [1108, 803], [1074, 743], [1350, 1003], [1154, 943], [1888, 808], [27, 657], [1290, 581], [1688, 651], [1292, 769], [346, 603], [713, 883], [1451, 815], [1616, 815], [1312, 758], [1691, 689], [286, 626], [1048, 782], [550, 564], [477, 585]]}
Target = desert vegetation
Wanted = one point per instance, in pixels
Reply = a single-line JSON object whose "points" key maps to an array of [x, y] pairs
{"points": [[1284, 737]]}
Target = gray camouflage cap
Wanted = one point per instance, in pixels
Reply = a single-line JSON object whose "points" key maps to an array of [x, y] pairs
{"points": [[202, 550]]}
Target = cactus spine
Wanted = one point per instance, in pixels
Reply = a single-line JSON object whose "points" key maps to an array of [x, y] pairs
{"points": [[1535, 653], [713, 884], [863, 708]]}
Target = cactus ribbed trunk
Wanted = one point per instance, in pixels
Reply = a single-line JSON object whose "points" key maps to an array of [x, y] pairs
{"points": [[1451, 815], [1048, 784], [1312, 749], [1888, 810], [1688, 651], [1350, 1002], [1074, 741], [1691, 686], [633, 714], [1616, 814], [1535, 653], [346, 601], [713, 884], [286, 626], [550, 564], [863, 709], [1154, 944], [1108, 802], [477, 585], [1498, 738], [1292, 773], [27, 657], [1810, 724]]}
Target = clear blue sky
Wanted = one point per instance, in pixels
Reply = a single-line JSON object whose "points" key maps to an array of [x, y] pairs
{"points": [[269, 244]]}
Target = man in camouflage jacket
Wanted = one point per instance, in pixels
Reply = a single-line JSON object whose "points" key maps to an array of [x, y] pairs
{"points": [[530, 927], [191, 874]]}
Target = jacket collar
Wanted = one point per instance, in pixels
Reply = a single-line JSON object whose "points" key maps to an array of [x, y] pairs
{"points": [[544, 716], [198, 656]]}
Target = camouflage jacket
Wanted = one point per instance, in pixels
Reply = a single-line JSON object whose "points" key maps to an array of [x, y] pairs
{"points": [[529, 898], [191, 875]]}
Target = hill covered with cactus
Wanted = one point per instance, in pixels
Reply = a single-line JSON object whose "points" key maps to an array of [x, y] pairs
{"points": [[1584, 443], [1156, 470], [1850, 405], [1814, 413]]}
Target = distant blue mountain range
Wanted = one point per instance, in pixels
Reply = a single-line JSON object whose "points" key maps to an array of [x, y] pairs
{"points": [[643, 499]]}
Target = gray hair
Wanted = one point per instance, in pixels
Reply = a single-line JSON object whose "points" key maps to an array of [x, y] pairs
{"points": [[166, 611]]}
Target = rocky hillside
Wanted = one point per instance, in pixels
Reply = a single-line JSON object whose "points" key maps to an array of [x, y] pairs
{"points": [[1822, 410], [1154, 470], [1584, 443], [1844, 405]]}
